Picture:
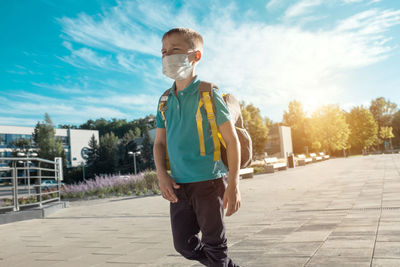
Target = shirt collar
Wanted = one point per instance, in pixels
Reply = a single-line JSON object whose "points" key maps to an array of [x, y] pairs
{"points": [[190, 89]]}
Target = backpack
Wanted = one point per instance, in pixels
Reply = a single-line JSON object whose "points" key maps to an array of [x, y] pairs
{"points": [[206, 101]]}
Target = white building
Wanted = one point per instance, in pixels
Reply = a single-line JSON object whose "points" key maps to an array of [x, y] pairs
{"points": [[73, 140]]}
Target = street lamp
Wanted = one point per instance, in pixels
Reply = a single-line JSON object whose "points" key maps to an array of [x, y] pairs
{"points": [[27, 164], [137, 153], [22, 154]]}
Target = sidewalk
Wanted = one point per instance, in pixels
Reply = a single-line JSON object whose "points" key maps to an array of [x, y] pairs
{"points": [[340, 212]]}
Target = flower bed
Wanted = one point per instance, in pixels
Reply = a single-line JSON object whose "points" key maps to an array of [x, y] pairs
{"points": [[113, 185]]}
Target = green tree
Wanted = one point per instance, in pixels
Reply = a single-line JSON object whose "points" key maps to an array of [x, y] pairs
{"points": [[363, 128], [93, 159], [21, 145], [295, 118], [396, 128], [383, 111], [118, 127], [44, 136], [386, 133], [107, 151], [256, 126], [126, 144], [316, 146], [329, 127], [147, 151], [67, 126]]}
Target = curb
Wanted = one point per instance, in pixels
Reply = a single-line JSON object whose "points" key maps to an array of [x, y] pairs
{"points": [[35, 213]]}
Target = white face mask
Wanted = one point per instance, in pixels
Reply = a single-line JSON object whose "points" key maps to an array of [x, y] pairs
{"points": [[177, 66]]}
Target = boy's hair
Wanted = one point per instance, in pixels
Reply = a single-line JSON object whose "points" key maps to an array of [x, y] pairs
{"points": [[192, 37]]}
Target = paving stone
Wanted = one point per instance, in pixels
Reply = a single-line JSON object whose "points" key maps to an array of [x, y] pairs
{"points": [[251, 244], [347, 243], [323, 214], [307, 236], [272, 261], [317, 227], [387, 250], [390, 236], [319, 260], [377, 262], [345, 252], [289, 249], [277, 231]]}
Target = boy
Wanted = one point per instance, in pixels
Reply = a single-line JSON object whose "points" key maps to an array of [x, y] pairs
{"points": [[195, 189]]}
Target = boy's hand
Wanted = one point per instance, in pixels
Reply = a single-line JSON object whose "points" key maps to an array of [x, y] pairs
{"points": [[167, 185], [232, 199]]}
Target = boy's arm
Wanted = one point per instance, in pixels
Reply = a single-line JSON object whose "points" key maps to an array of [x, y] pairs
{"points": [[232, 196], [159, 151]]}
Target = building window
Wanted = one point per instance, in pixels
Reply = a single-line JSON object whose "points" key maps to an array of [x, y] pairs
{"points": [[12, 138], [2, 139]]}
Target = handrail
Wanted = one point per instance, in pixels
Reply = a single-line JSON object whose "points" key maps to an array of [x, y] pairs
{"points": [[27, 158], [15, 195]]}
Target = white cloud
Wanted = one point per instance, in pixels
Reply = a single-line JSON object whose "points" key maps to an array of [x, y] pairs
{"points": [[274, 3], [371, 22], [352, 1], [267, 65], [63, 88], [126, 62], [84, 57], [359, 1], [16, 121], [300, 8], [114, 30], [73, 110], [271, 65], [129, 102]]}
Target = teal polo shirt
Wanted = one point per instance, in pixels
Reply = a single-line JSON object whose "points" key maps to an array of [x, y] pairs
{"points": [[187, 165]]}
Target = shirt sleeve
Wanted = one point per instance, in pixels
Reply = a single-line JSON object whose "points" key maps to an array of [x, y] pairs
{"points": [[160, 123], [221, 110]]}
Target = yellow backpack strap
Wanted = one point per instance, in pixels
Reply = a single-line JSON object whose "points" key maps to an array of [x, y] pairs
{"points": [[205, 90], [199, 121], [162, 107], [221, 139]]}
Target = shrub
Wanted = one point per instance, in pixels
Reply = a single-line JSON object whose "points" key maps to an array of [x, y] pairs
{"points": [[8, 202], [118, 185], [151, 180], [258, 169]]}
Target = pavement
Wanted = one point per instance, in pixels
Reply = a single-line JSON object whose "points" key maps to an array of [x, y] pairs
{"points": [[340, 212]]}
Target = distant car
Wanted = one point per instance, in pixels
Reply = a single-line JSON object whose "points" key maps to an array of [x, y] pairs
{"points": [[50, 184]]}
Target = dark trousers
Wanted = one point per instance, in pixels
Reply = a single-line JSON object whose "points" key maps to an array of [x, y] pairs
{"points": [[200, 208]]}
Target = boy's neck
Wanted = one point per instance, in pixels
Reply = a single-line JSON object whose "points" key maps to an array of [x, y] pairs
{"points": [[182, 84]]}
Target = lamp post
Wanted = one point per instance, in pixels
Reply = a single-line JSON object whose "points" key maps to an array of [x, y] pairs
{"points": [[137, 153], [30, 154], [27, 167], [21, 154]]}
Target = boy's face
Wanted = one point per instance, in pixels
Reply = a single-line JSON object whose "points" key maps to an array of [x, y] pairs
{"points": [[176, 44]]}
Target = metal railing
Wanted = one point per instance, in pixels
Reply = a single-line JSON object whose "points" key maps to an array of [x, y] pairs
{"points": [[24, 182]]}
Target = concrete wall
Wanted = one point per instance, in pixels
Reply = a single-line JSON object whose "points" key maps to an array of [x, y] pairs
{"points": [[27, 130], [16, 130], [286, 141], [279, 142]]}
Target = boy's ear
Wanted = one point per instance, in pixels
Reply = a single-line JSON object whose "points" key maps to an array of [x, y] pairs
{"points": [[197, 55]]}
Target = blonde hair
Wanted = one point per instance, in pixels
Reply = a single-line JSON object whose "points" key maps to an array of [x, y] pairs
{"points": [[192, 37]]}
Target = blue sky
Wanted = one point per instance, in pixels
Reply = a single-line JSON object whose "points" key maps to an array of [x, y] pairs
{"points": [[80, 60]]}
